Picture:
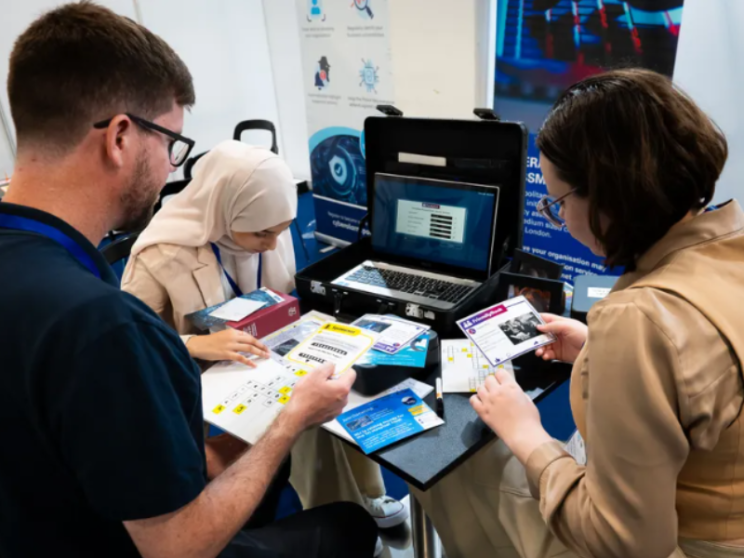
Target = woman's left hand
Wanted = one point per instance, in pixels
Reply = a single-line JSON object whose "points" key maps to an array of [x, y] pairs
{"points": [[510, 413]]}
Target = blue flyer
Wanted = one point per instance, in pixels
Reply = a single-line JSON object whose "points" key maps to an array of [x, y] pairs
{"points": [[389, 419], [413, 356]]}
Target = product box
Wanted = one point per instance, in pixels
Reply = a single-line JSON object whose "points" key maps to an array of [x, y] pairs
{"points": [[588, 290], [270, 319]]}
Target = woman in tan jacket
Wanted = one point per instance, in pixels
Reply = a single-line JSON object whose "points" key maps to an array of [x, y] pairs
{"points": [[630, 165], [227, 234]]}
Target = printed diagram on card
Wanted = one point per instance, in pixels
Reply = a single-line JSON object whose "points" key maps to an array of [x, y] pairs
{"points": [[245, 401], [464, 368]]}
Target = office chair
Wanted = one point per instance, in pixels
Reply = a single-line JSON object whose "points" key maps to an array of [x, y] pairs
{"points": [[268, 126], [188, 166], [257, 125]]}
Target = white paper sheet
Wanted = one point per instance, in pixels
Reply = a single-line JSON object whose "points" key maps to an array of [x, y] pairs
{"points": [[237, 309], [464, 368], [245, 401]]}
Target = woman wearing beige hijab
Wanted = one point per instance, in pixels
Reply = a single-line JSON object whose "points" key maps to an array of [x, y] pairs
{"points": [[228, 233]]}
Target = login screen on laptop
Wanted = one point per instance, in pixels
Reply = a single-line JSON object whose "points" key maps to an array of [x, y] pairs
{"points": [[436, 221]]}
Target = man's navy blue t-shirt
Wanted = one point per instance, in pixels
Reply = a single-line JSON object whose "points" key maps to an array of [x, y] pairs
{"points": [[100, 404]]}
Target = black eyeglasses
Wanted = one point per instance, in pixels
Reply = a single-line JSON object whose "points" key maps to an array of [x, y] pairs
{"points": [[550, 207], [178, 149]]}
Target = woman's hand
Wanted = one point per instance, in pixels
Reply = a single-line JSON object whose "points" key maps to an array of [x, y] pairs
{"points": [[510, 413], [227, 345], [570, 338]]}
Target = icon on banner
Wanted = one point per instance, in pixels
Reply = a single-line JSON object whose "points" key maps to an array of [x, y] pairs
{"points": [[368, 75], [322, 73], [315, 11], [363, 9], [338, 169]]}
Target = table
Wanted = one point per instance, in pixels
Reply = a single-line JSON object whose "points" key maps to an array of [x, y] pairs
{"points": [[450, 445]]}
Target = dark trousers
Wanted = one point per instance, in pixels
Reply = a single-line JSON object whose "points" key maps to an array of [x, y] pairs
{"points": [[340, 530]]}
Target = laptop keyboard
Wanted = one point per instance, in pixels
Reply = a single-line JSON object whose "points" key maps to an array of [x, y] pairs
{"points": [[413, 284]]}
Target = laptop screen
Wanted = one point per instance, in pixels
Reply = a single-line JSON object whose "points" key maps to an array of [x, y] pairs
{"points": [[434, 221]]}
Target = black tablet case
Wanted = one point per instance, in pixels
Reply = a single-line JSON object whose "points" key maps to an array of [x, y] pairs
{"points": [[478, 151]]}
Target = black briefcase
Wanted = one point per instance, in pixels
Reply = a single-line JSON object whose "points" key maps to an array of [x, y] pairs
{"points": [[487, 152]]}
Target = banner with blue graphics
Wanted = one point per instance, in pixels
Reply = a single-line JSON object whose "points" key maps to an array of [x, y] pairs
{"points": [[543, 47], [347, 72]]}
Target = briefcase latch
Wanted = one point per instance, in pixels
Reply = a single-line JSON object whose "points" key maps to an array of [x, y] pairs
{"points": [[316, 287], [338, 299]]}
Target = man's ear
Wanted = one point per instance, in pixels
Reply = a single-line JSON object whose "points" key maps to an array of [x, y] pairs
{"points": [[119, 138]]}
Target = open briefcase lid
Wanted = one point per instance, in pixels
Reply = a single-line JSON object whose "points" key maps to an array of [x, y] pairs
{"points": [[488, 152]]}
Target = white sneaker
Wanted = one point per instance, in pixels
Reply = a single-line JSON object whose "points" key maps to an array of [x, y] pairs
{"points": [[386, 511], [378, 547]]}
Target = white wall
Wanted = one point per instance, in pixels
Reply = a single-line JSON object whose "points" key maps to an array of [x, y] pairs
{"points": [[284, 49], [16, 17], [440, 56], [710, 67], [6, 149], [224, 45]]}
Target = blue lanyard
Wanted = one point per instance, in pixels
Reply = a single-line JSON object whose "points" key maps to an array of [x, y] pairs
{"points": [[233, 284], [15, 222]]}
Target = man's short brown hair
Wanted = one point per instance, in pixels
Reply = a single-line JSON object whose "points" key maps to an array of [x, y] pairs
{"points": [[640, 150], [81, 63]]}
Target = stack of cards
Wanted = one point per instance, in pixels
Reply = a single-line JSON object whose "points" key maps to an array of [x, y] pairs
{"points": [[394, 334]]}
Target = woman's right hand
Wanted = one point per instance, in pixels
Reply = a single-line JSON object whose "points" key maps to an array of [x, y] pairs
{"points": [[570, 338], [227, 345]]}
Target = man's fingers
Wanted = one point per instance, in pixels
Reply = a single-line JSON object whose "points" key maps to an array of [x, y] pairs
{"points": [[324, 371], [347, 379]]}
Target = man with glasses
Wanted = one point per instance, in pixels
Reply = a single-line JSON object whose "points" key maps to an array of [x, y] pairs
{"points": [[100, 404]]}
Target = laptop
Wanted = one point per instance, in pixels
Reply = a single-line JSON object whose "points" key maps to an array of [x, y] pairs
{"points": [[432, 240]]}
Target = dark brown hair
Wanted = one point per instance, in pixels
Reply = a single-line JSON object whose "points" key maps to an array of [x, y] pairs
{"points": [[641, 151], [81, 63]]}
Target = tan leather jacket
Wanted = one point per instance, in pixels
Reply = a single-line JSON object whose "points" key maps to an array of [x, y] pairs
{"points": [[657, 393]]}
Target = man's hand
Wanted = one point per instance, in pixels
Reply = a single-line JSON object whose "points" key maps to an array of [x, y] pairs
{"points": [[510, 413], [570, 337], [317, 398], [227, 345]]}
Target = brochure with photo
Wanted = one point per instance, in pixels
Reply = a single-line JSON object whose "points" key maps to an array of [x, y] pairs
{"points": [[505, 331]]}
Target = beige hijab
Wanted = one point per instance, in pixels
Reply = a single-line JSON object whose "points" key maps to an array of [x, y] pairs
{"points": [[236, 187]]}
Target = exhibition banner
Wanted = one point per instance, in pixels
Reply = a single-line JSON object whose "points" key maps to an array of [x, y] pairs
{"points": [[543, 47], [347, 72]]}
